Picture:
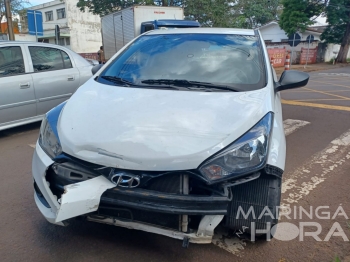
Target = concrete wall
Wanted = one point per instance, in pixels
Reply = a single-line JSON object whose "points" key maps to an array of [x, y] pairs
{"points": [[296, 50], [25, 37], [85, 29], [329, 52]]}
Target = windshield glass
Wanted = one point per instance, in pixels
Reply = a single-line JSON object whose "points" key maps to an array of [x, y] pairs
{"points": [[233, 61]]}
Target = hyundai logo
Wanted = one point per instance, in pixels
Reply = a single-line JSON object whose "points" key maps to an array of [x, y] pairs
{"points": [[125, 180]]}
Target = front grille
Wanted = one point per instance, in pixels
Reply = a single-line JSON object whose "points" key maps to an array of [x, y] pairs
{"points": [[255, 195], [166, 184]]}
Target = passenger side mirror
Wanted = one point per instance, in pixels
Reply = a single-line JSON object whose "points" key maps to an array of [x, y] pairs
{"points": [[292, 79], [96, 68]]}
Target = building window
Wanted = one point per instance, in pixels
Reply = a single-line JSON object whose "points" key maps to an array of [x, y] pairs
{"points": [[49, 16], [61, 13], [67, 41], [61, 41]]}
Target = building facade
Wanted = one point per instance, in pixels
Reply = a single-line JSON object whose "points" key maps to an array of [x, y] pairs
{"points": [[275, 37], [79, 31]]}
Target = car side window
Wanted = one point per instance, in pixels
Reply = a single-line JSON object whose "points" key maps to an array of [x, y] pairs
{"points": [[11, 61], [49, 59]]}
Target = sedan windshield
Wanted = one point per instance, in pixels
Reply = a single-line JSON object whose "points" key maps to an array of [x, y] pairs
{"points": [[198, 62]]}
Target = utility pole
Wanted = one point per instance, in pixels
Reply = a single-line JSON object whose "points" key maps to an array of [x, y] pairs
{"points": [[9, 20]]}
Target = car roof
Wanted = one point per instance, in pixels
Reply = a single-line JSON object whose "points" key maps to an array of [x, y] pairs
{"points": [[28, 42], [203, 30]]}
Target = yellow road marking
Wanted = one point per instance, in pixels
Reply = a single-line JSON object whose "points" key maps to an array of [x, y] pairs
{"points": [[328, 83], [315, 99], [306, 91], [321, 92], [297, 103]]}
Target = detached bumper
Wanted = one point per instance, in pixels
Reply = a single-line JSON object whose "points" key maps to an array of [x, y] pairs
{"points": [[86, 197], [44, 199]]}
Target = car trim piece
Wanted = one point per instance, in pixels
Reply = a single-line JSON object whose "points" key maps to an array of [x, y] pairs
{"points": [[28, 102], [54, 97], [21, 122]]}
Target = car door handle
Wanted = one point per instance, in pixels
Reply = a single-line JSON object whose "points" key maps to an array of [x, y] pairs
{"points": [[70, 78], [24, 86]]}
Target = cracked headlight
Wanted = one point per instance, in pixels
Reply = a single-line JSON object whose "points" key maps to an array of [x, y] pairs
{"points": [[245, 155], [48, 139]]}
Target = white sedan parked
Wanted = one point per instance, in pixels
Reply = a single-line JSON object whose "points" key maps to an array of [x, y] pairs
{"points": [[179, 132], [36, 77]]}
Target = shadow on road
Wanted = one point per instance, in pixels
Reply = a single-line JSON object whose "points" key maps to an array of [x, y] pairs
{"points": [[19, 130]]}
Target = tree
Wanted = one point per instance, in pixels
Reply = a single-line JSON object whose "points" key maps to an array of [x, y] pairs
{"points": [[105, 7], [16, 6], [209, 13], [299, 14], [338, 29], [257, 12]]}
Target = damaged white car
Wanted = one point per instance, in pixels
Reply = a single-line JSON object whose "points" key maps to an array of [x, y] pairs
{"points": [[181, 131]]}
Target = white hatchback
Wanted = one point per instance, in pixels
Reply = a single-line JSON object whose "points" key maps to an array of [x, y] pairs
{"points": [[179, 132], [36, 77]]}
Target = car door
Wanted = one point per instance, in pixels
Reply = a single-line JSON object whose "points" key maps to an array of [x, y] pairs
{"points": [[17, 97], [54, 77]]}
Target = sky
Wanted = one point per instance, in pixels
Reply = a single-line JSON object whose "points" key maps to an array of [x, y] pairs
{"points": [[38, 2]]}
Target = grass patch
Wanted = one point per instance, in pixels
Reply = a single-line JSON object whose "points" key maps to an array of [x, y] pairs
{"points": [[348, 223]]}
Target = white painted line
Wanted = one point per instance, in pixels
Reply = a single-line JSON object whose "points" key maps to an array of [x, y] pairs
{"points": [[302, 181], [334, 74], [291, 125], [31, 145]]}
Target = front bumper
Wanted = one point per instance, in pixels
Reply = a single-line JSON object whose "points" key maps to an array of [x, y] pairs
{"points": [[93, 196], [41, 162]]}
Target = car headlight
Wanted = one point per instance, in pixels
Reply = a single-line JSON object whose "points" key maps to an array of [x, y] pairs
{"points": [[48, 140], [245, 155]]}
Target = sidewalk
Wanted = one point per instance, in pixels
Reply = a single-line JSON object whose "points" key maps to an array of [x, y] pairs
{"points": [[312, 67]]}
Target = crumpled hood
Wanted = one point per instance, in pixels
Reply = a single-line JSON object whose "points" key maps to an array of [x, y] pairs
{"points": [[149, 129]]}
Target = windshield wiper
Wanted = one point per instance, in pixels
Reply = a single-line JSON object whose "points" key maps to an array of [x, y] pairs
{"points": [[123, 82], [186, 83], [118, 80]]}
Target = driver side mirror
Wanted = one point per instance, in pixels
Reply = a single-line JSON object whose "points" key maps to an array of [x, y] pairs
{"points": [[96, 68], [292, 79]]}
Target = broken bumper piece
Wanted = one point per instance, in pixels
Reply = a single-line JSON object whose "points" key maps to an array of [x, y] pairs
{"points": [[101, 201], [203, 235]]}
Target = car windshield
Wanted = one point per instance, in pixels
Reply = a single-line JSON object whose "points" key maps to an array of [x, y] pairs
{"points": [[222, 62]]}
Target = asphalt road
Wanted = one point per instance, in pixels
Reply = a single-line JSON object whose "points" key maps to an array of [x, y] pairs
{"points": [[317, 121]]}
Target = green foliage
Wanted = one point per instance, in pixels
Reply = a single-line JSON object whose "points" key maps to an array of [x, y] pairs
{"points": [[338, 17], [257, 12], [218, 13], [337, 259], [297, 14], [105, 7], [209, 13]]}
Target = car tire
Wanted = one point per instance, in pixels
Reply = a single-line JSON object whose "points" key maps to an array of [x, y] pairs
{"points": [[250, 201]]}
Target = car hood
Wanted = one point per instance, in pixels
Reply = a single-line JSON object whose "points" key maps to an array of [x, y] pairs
{"points": [[160, 130]]}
